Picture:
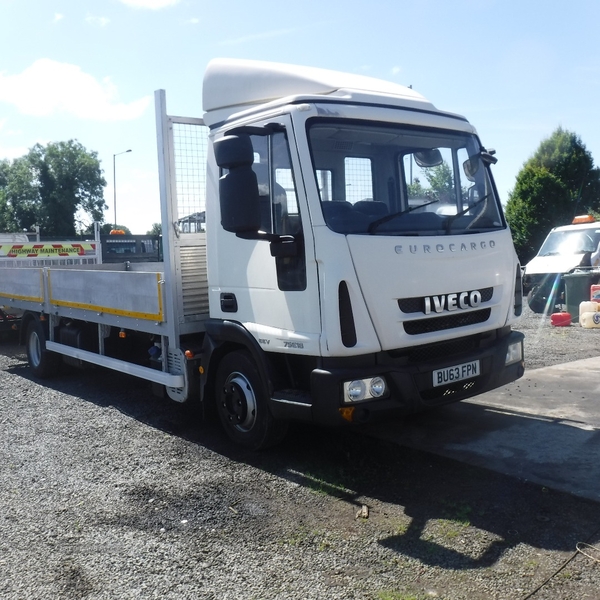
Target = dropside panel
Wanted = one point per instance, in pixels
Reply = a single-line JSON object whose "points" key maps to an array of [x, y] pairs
{"points": [[25, 285], [129, 294]]}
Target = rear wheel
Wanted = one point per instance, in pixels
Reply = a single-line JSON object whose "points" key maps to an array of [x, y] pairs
{"points": [[43, 363], [242, 403]]}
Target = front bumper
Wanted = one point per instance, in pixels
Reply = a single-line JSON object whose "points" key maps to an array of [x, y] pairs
{"points": [[411, 384]]}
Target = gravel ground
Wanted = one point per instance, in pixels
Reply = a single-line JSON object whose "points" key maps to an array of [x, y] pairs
{"points": [[109, 492]]}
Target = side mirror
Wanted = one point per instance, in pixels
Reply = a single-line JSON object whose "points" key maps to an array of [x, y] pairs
{"points": [[238, 188], [471, 166], [233, 151]]}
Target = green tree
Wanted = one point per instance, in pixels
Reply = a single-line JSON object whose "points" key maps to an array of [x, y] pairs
{"points": [[8, 223], [51, 186], [440, 183], [20, 195], [156, 229], [440, 178], [538, 203], [556, 183], [415, 189]]}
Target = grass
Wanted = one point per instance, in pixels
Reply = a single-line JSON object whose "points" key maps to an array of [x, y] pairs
{"points": [[458, 512]]}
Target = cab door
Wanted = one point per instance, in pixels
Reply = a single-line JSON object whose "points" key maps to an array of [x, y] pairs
{"points": [[274, 296]]}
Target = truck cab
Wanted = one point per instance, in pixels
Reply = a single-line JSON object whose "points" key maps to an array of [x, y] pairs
{"points": [[358, 239]]}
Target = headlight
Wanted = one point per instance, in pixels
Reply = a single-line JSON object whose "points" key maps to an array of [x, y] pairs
{"points": [[365, 389], [514, 354]]}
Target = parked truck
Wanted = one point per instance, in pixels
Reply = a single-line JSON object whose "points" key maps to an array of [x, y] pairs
{"points": [[354, 262]]}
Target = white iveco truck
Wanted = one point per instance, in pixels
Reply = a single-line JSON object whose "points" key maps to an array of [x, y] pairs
{"points": [[334, 251]]}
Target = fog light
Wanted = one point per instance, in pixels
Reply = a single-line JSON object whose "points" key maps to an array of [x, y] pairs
{"points": [[365, 389], [356, 390], [514, 354], [377, 387]]}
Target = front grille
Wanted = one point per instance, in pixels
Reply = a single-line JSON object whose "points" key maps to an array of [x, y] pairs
{"points": [[414, 305], [461, 319], [462, 345]]}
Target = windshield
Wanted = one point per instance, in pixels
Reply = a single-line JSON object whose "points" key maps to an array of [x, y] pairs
{"points": [[393, 180], [570, 242]]}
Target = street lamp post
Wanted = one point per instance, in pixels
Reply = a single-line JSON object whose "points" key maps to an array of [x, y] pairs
{"points": [[115, 181]]}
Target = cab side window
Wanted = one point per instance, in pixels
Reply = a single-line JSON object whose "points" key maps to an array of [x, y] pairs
{"points": [[279, 212]]}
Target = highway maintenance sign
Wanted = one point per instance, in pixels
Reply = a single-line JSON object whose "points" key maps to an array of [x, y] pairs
{"points": [[39, 250]]}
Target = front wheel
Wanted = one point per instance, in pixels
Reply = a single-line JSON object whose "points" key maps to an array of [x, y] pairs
{"points": [[242, 403], [43, 363]]}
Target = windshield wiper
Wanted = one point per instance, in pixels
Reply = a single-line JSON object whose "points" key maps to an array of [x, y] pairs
{"points": [[464, 212], [375, 224]]}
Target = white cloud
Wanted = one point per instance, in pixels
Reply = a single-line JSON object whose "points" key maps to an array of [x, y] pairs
{"points": [[396, 70], [9, 151], [48, 87], [100, 21], [12, 152], [151, 4], [193, 21], [58, 17]]}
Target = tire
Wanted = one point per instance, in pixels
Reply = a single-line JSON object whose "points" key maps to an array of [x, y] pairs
{"points": [[542, 299], [44, 364], [242, 404]]}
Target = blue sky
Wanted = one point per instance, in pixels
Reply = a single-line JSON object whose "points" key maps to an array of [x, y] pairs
{"points": [[87, 70]]}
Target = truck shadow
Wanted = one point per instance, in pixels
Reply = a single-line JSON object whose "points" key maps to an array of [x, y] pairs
{"points": [[447, 504], [421, 504]]}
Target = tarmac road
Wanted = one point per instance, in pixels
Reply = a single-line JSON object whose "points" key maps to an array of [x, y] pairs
{"points": [[544, 428]]}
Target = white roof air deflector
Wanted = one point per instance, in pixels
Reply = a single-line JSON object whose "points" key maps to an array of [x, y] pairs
{"points": [[233, 85]]}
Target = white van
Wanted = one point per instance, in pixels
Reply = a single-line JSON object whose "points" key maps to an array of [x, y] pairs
{"points": [[565, 249]]}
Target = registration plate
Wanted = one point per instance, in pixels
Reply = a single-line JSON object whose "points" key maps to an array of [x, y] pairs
{"points": [[456, 373]]}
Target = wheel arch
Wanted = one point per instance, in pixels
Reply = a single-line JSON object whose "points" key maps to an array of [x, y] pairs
{"points": [[223, 337]]}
